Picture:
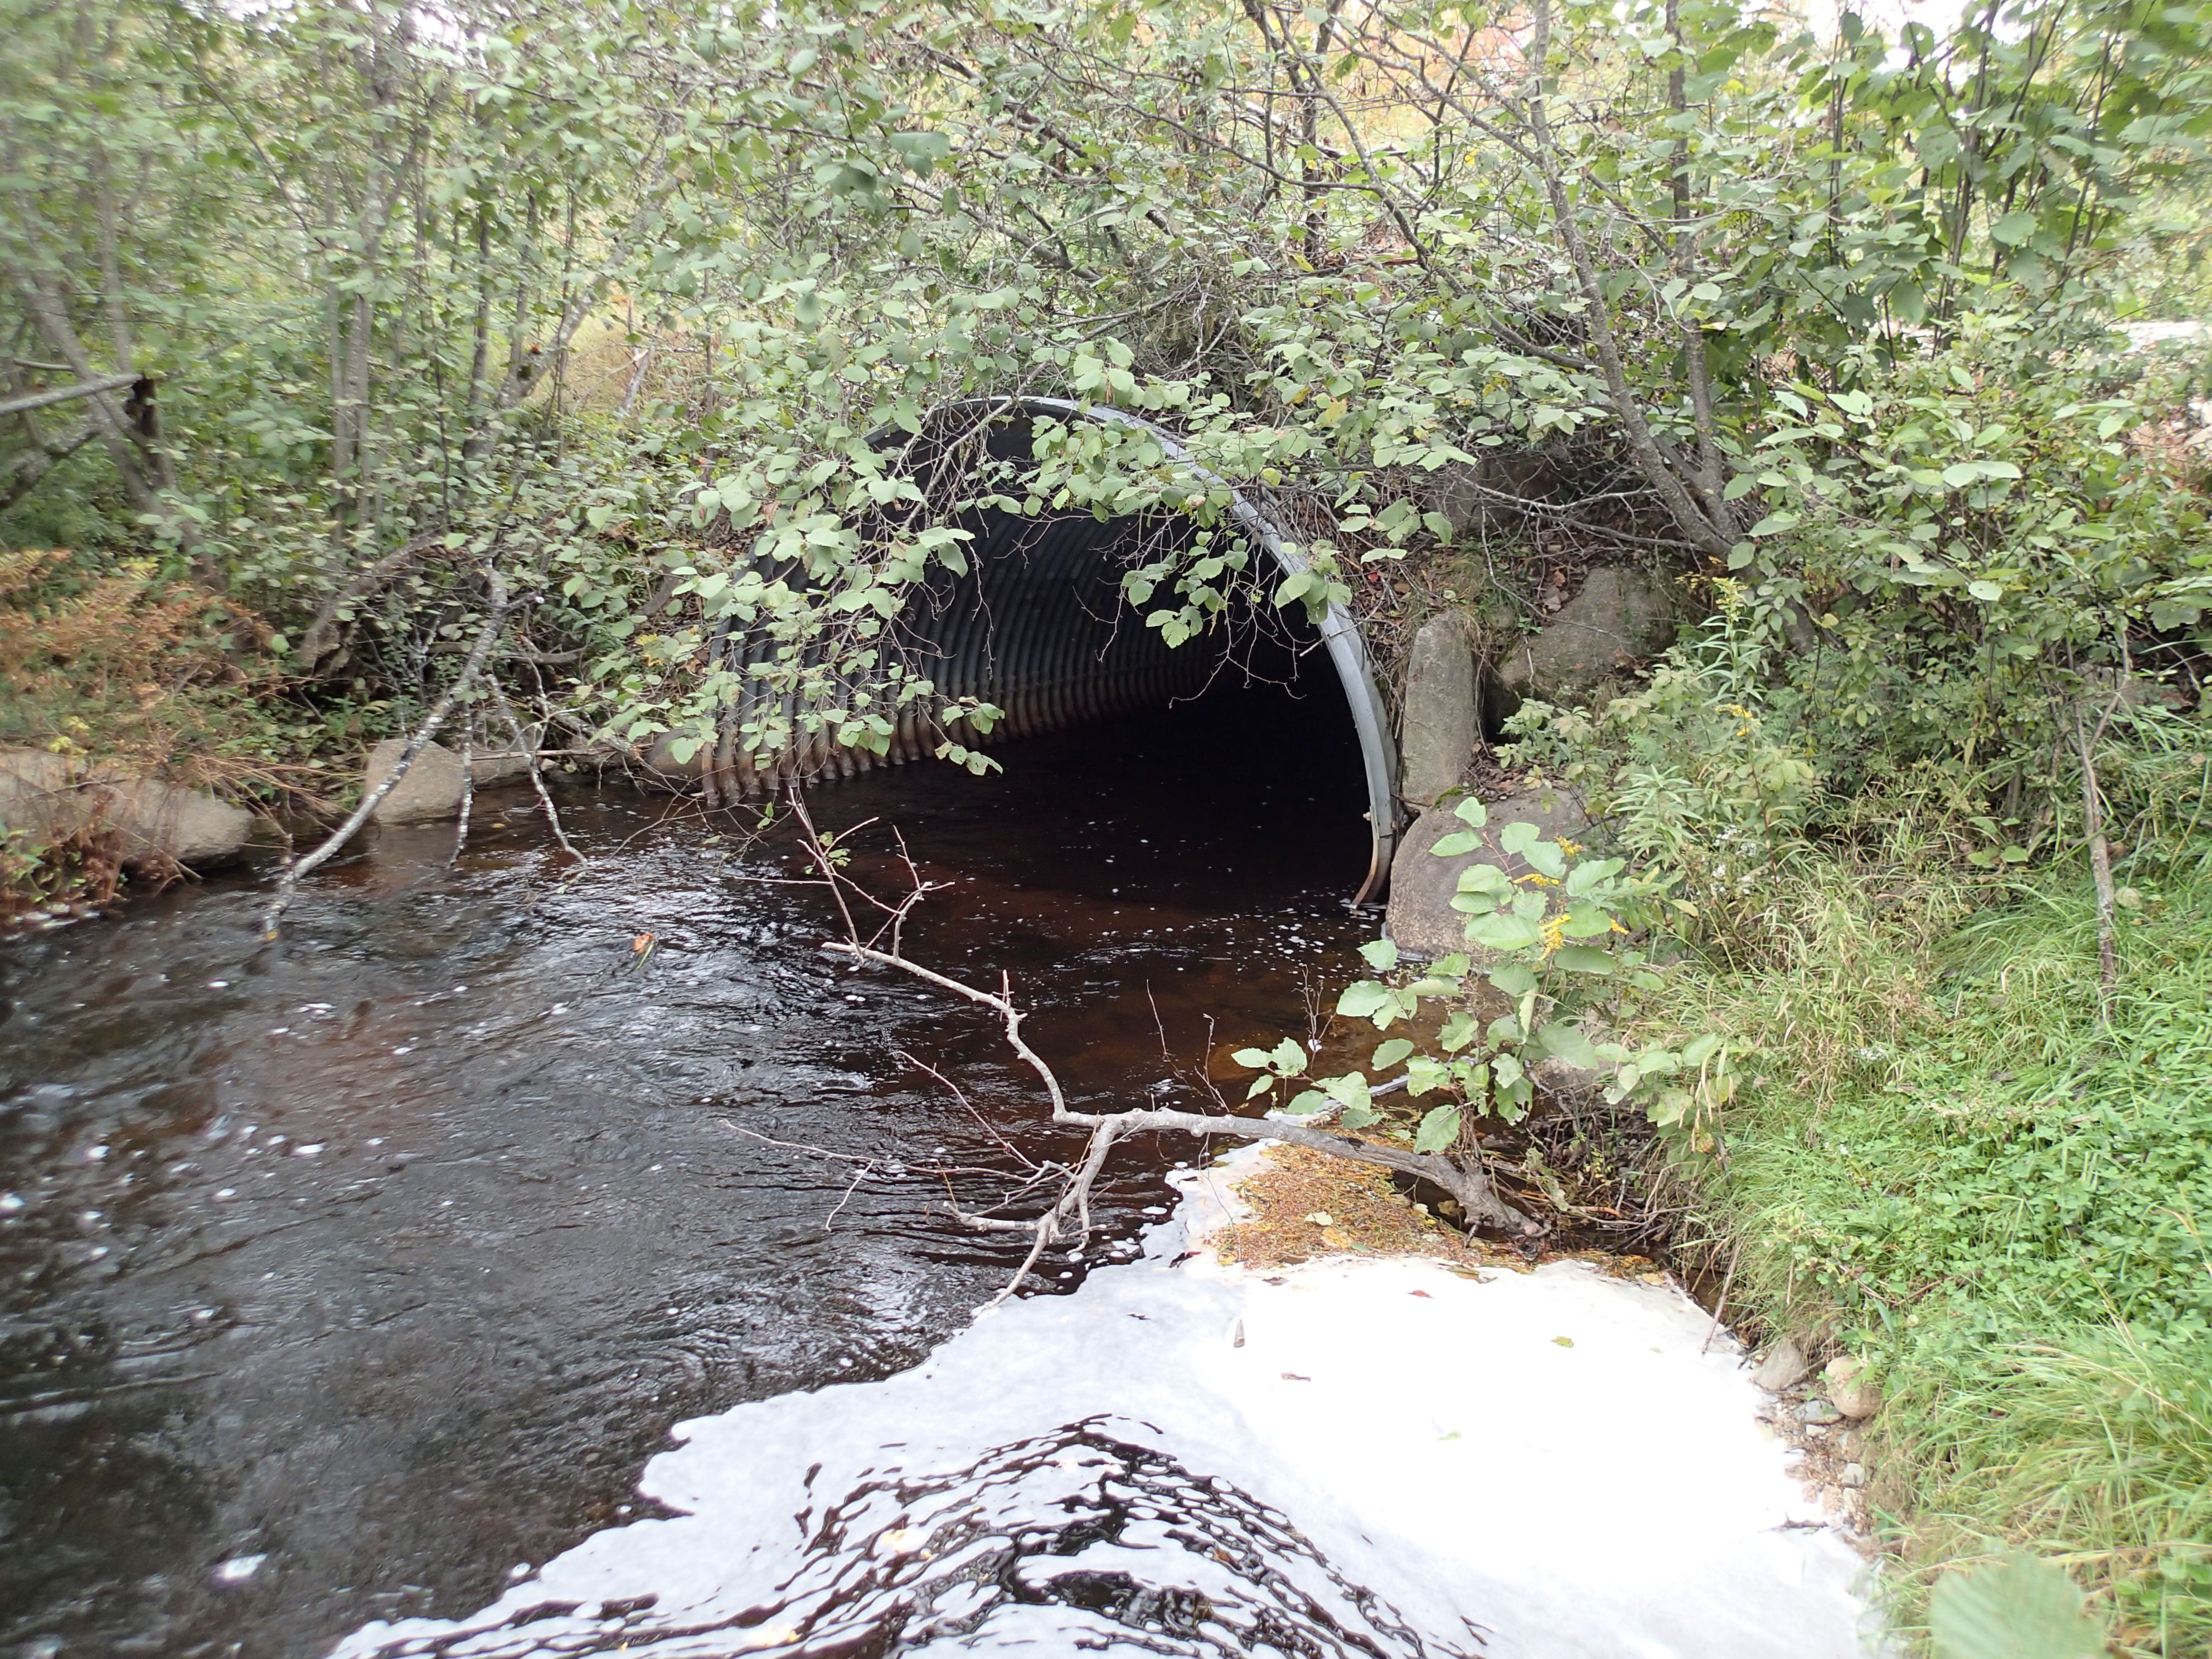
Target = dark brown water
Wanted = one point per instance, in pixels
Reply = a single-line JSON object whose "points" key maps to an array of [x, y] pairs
{"points": [[339, 1279]]}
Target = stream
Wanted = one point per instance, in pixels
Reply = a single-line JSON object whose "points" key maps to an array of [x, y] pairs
{"points": [[347, 1280]]}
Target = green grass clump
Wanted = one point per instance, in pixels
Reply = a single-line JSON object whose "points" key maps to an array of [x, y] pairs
{"points": [[1954, 1167]]}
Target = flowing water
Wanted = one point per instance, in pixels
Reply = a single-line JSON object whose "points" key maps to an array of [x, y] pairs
{"points": [[341, 1279]]}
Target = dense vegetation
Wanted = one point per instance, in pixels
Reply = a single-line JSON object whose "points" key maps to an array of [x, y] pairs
{"points": [[395, 306]]}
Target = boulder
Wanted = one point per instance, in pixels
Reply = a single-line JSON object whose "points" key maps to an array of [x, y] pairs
{"points": [[157, 827], [1444, 717], [1489, 496], [1420, 919], [430, 790], [1785, 1367], [1851, 1391], [1618, 619], [661, 761], [506, 761]]}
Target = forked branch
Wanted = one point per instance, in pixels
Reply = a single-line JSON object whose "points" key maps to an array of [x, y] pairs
{"points": [[1066, 1220]]}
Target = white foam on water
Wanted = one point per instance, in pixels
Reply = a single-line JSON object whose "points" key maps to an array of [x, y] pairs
{"points": [[1186, 1458]]}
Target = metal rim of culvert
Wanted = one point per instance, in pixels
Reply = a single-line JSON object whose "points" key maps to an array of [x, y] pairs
{"points": [[1339, 630]]}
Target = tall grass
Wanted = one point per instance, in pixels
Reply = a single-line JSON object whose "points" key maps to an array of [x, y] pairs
{"points": [[1949, 1163]]}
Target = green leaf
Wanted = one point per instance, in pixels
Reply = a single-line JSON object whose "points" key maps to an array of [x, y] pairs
{"points": [[1439, 1129], [1349, 1091], [2014, 228], [1584, 959], [1564, 1040], [1458, 1031], [1499, 932], [1260, 1085], [1249, 1058], [1515, 979], [1486, 879], [1987, 592], [1288, 1057], [1459, 841], [1424, 1075], [1381, 955], [1547, 858], [1472, 812], [1363, 998], [1389, 1054], [2019, 1608], [1306, 1104]]}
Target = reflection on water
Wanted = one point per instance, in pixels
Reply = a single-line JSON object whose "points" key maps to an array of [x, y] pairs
{"points": [[341, 1279]]}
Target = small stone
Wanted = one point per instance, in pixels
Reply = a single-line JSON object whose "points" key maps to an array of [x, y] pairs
{"points": [[1851, 1391], [1850, 1444], [1817, 1411], [1854, 1475], [1785, 1367]]}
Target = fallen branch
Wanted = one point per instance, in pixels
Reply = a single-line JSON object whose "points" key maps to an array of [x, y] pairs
{"points": [[29, 401], [1472, 1188], [288, 884]]}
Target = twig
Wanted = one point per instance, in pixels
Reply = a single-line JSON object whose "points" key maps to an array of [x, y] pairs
{"points": [[468, 791], [851, 1187], [982, 1122], [528, 748], [1720, 1308]]}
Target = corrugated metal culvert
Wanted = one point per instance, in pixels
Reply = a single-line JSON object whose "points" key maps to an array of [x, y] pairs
{"points": [[1039, 627]]}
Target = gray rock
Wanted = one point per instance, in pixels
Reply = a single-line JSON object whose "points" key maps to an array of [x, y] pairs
{"points": [[1785, 1367], [660, 759], [1817, 1411], [1850, 1390], [1487, 496], [1852, 1444], [494, 763], [1444, 717], [1420, 919], [430, 790], [1618, 619], [158, 827], [1854, 1476]]}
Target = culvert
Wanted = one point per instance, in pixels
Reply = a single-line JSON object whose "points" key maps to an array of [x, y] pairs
{"points": [[1039, 627]]}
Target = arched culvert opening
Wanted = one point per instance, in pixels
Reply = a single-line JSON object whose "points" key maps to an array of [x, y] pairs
{"points": [[1039, 626]]}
